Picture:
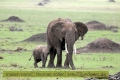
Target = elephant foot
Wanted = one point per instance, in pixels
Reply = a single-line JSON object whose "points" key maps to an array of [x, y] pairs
{"points": [[66, 67], [42, 67], [51, 66], [73, 68], [35, 65], [58, 66]]}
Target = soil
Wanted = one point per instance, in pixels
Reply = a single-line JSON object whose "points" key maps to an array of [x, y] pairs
{"points": [[111, 0], [13, 19], [18, 49], [114, 76], [1, 57], [112, 27], [43, 2], [95, 25], [90, 79], [41, 37], [101, 45], [12, 28]]}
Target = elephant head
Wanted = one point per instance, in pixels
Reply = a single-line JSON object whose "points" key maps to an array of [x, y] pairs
{"points": [[67, 29], [68, 32]]}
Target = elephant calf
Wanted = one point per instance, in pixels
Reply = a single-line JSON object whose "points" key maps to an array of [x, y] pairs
{"points": [[40, 53]]}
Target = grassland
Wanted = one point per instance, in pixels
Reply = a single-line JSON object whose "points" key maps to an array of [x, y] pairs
{"points": [[37, 19]]}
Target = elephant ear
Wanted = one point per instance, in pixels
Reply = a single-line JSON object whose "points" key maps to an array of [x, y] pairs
{"points": [[81, 30], [57, 30]]}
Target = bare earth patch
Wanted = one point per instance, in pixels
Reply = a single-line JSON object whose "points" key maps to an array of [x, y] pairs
{"points": [[95, 25], [114, 76], [12, 28], [1, 57], [111, 0], [13, 19], [43, 2], [40, 37], [18, 49], [100, 45], [15, 65]]}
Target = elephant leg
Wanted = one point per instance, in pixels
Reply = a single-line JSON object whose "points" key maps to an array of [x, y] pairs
{"points": [[35, 64], [51, 61], [59, 58], [66, 63], [44, 60], [43, 63]]}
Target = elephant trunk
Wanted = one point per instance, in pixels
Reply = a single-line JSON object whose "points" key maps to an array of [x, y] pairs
{"points": [[70, 40], [74, 49], [70, 50]]}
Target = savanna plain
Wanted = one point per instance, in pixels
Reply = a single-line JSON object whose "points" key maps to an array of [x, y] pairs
{"points": [[37, 18]]}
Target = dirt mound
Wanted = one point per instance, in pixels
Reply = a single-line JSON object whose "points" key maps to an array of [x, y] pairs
{"points": [[100, 45], [111, 0], [43, 2], [1, 57], [112, 27], [12, 28], [41, 37], [114, 77], [95, 25], [13, 19], [18, 49]]}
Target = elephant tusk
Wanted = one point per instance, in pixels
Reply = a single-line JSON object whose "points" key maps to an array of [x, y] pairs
{"points": [[66, 48], [74, 49]]}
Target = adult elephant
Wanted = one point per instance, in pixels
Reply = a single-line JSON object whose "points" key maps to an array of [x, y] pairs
{"points": [[63, 31]]}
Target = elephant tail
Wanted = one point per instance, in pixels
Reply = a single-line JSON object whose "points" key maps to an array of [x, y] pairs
{"points": [[30, 57]]}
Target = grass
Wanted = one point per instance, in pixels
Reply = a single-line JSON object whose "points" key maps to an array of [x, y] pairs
{"points": [[83, 62], [38, 17]]}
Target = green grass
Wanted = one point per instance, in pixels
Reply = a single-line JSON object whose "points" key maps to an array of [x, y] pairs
{"points": [[83, 62], [38, 17]]}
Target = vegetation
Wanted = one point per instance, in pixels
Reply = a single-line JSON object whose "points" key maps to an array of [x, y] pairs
{"points": [[36, 20]]}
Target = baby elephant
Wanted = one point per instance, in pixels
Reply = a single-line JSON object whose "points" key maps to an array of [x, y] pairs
{"points": [[40, 53]]}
